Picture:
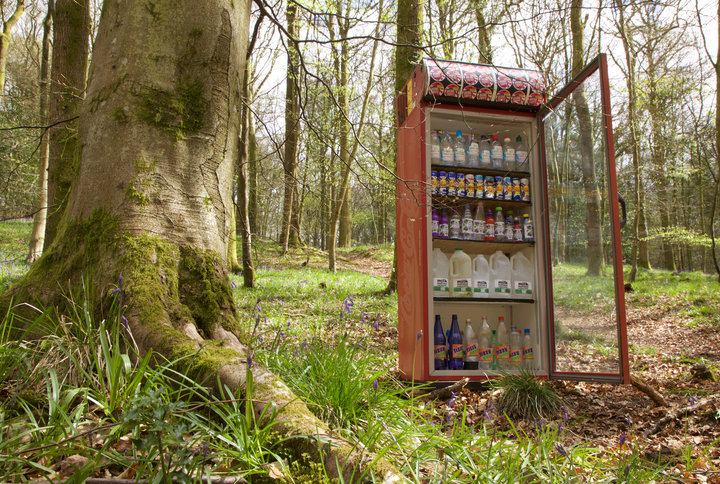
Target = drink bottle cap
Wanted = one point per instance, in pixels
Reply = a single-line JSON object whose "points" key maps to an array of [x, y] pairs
{"points": [[519, 138], [454, 315], [527, 331], [498, 208], [525, 215], [509, 212], [494, 136], [507, 138], [482, 136], [459, 133], [501, 318]]}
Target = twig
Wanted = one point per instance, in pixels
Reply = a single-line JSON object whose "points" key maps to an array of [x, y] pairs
{"points": [[644, 387], [680, 412], [445, 392], [204, 479]]}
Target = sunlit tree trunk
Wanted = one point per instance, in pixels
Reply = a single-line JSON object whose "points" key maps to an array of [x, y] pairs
{"points": [[248, 270], [5, 37]]}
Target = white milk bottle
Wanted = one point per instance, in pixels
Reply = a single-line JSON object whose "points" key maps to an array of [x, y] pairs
{"points": [[481, 277], [441, 272], [460, 274], [500, 275], [523, 276]]}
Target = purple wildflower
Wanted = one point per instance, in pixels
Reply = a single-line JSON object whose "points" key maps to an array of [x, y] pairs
{"points": [[559, 426], [249, 361], [288, 325], [377, 326], [304, 344], [419, 337], [125, 323], [362, 317], [452, 400], [629, 421], [120, 279], [260, 339], [210, 394], [361, 346], [375, 385], [205, 449], [489, 407], [627, 470], [115, 291], [692, 400], [345, 336], [258, 301], [561, 450], [232, 284], [564, 409], [282, 334], [622, 440]]}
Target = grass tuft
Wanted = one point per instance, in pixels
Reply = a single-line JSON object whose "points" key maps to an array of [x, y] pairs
{"points": [[526, 397]]}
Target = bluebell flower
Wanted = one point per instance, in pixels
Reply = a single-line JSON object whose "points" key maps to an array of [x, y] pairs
{"points": [[249, 361], [692, 400], [120, 280], [361, 346], [561, 450], [627, 470], [622, 440], [125, 323], [304, 344], [232, 284], [452, 400], [260, 339], [362, 317], [419, 336], [629, 421], [564, 409], [205, 449], [115, 291], [375, 385], [282, 334]]}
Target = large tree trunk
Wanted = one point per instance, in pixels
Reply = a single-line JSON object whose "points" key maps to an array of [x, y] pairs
{"points": [[37, 237], [152, 203], [596, 263], [71, 47]]}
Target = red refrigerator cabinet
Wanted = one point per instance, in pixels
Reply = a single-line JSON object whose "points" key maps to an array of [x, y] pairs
{"points": [[576, 312]]}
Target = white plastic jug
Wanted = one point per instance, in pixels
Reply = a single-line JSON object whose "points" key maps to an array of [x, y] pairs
{"points": [[481, 277], [460, 274], [500, 275], [523, 276], [441, 272]]}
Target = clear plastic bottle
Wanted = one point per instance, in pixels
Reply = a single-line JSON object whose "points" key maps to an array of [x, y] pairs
{"points": [[515, 349], [472, 347], [489, 227], [508, 226], [468, 224], [517, 231], [455, 223], [499, 225], [479, 223], [460, 149], [435, 148], [496, 153], [521, 155], [485, 152], [440, 348], [508, 153], [502, 351], [435, 224], [447, 150], [456, 345], [485, 355], [527, 350], [473, 152], [528, 234], [444, 226]]}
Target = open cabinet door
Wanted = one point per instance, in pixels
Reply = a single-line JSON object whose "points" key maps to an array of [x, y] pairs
{"points": [[586, 314]]}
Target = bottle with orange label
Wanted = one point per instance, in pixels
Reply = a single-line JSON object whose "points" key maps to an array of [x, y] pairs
{"points": [[439, 346], [456, 345]]}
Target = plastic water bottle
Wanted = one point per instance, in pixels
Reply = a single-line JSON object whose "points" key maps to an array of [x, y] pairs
{"points": [[447, 150], [485, 152], [485, 354], [444, 226], [521, 155], [455, 224], [485, 325], [473, 152], [472, 347], [528, 234], [468, 224], [502, 351], [496, 153], [435, 148], [479, 223], [509, 226], [435, 224], [489, 227], [508, 153], [494, 345], [439, 345], [517, 231], [499, 225], [527, 350], [460, 147], [515, 349], [456, 345]]}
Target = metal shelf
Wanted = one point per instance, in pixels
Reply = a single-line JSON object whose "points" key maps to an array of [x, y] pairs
{"points": [[482, 171], [489, 203], [493, 300], [479, 246]]}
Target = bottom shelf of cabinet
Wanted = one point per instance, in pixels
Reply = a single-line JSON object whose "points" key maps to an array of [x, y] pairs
{"points": [[493, 300], [458, 374]]}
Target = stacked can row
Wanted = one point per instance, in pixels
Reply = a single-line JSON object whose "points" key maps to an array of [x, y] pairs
{"points": [[450, 184]]}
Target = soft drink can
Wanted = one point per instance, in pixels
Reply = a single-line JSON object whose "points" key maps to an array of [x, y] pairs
{"points": [[489, 187], [442, 184], [452, 184], [498, 188], [525, 189], [516, 192], [434, 182], [507, 188], [470, 186], [460, 185]]}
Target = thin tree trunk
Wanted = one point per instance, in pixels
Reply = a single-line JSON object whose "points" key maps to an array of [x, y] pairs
{"points": [[71, 46], [37, 237], [253, 169], [232, 260], [345, 236], [5, 37], [248, 271]]}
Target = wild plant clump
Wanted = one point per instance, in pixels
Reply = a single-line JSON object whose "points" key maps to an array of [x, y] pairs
{"points": [[526, 397]]}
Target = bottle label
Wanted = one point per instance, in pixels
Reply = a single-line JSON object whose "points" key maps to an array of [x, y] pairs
{"points": [[444, 230], [467, 225], [499, 229], [435, 152], [461, 287], [485, 157], [497, 153], [478, 227], [441, 284], [435, 226], [457, 351], [460, 155], [515, 356], [502, 352], [474, 149], [520, 157], [481, 286], [508, 232], [509, 155], [440, 352], [527, 353], [485, 354], [528, 228], [489, 188], [489, 230], [517, 235], [502, 286], [447, 155], [472, 350], [454, 225], [523, 287]]}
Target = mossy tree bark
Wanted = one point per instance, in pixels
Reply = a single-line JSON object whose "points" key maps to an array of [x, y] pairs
{"points": [[152, 202], [71, 48]]}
